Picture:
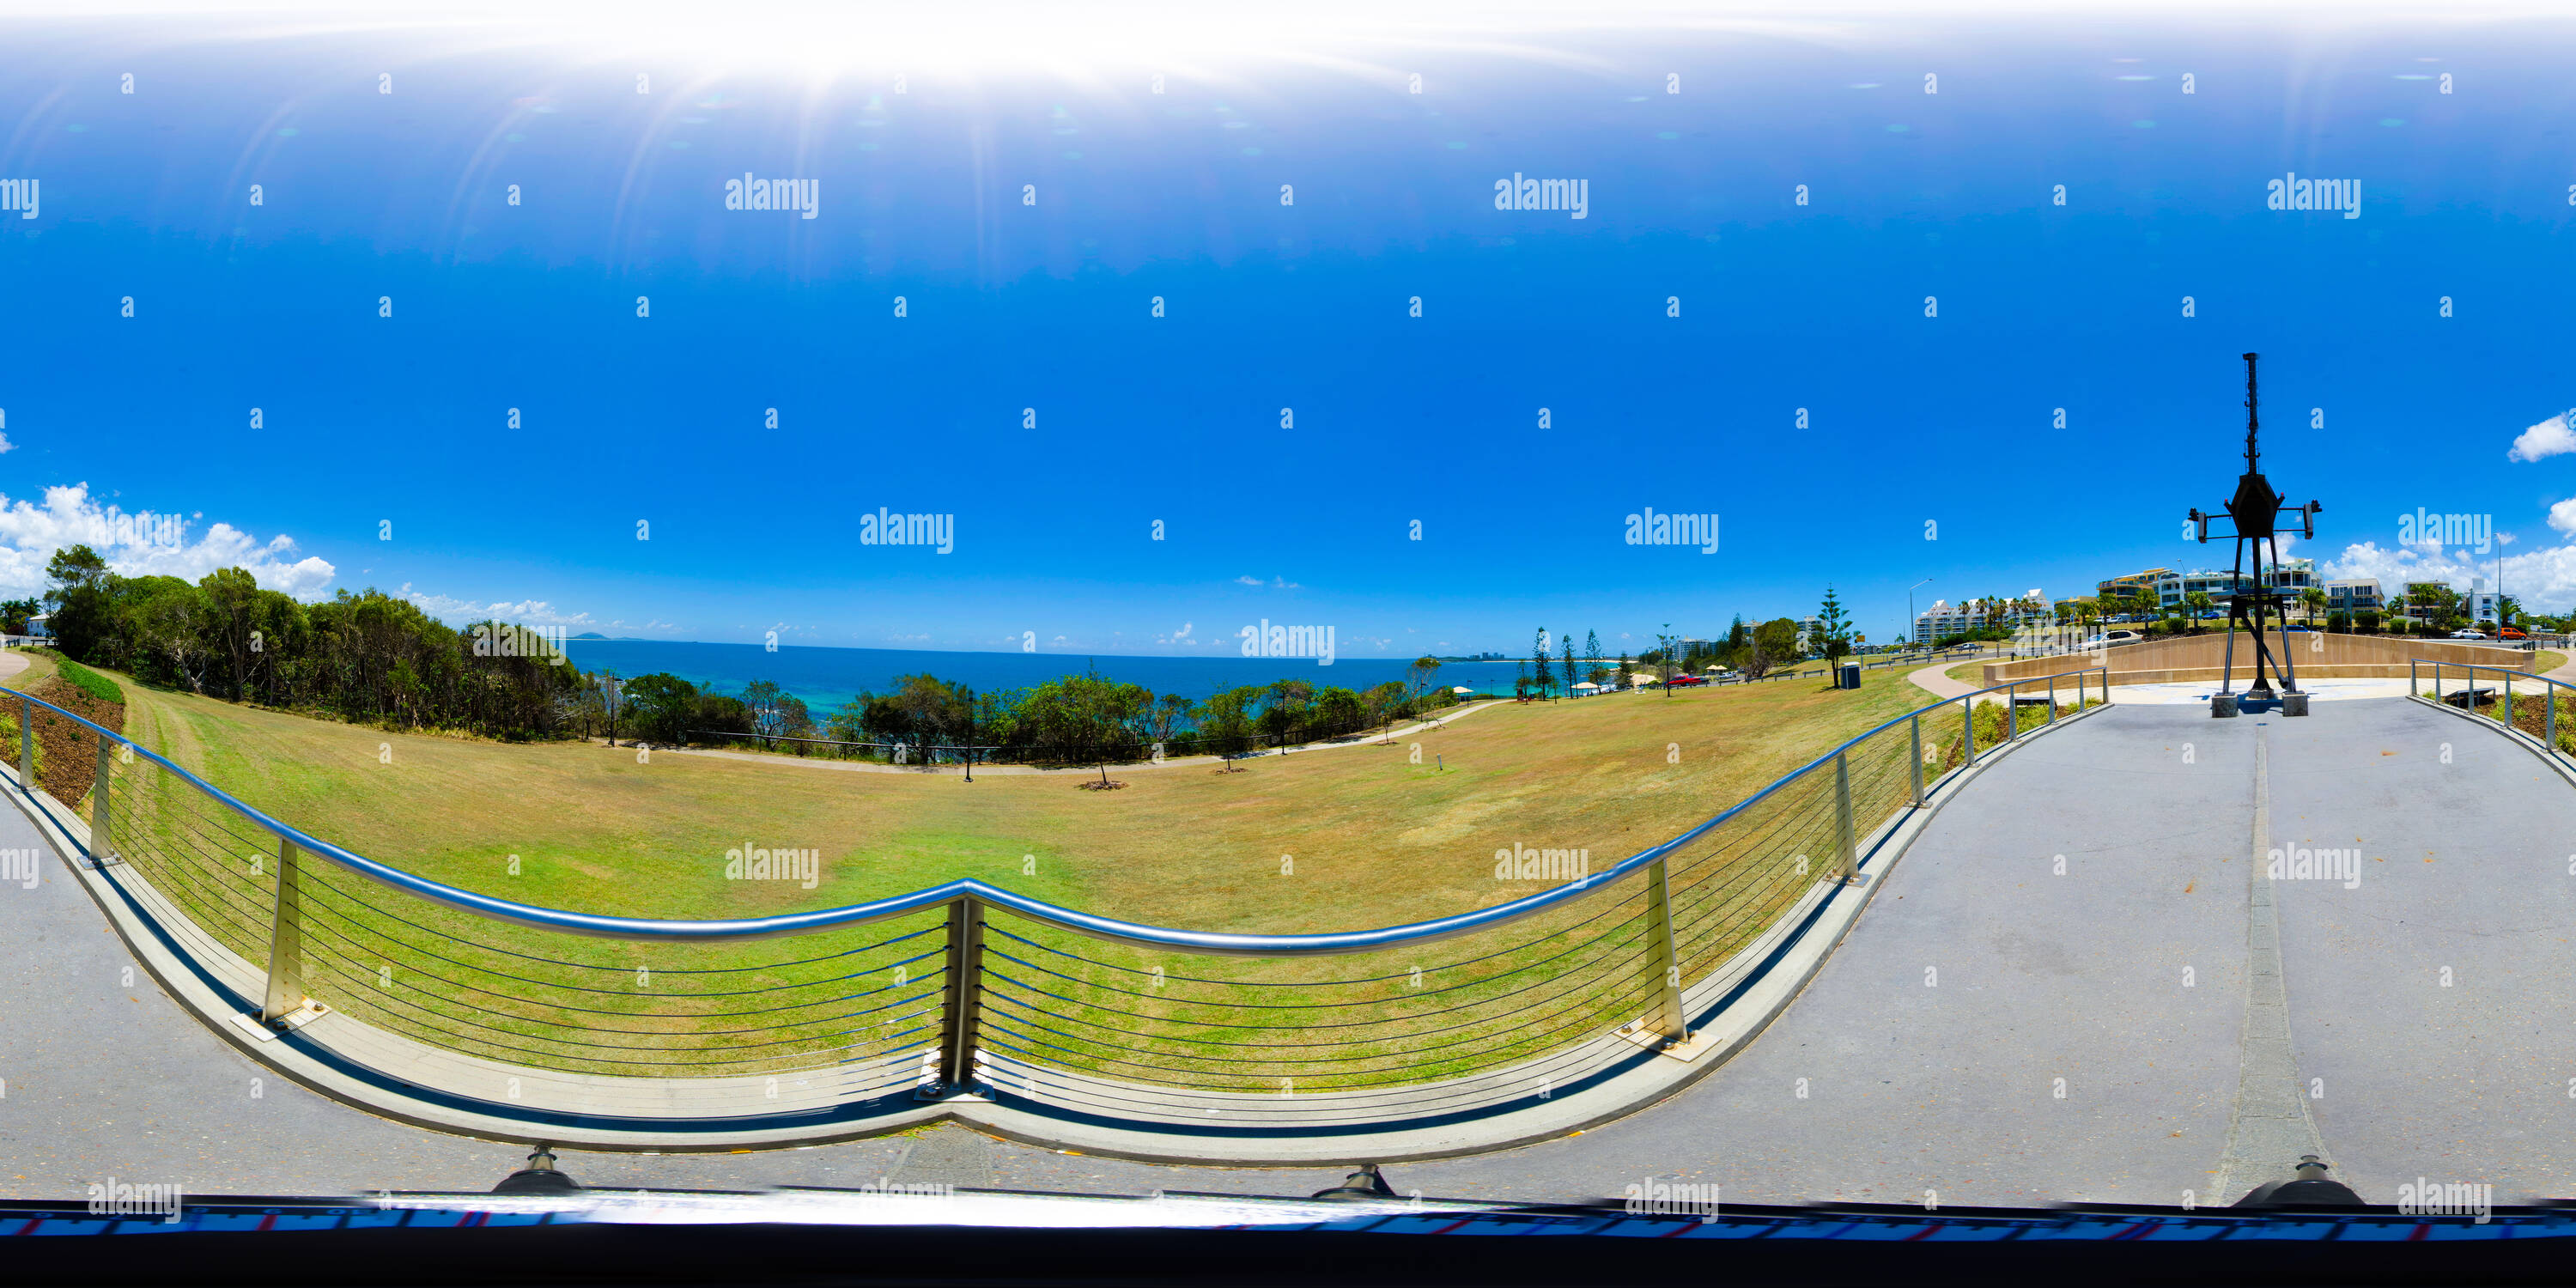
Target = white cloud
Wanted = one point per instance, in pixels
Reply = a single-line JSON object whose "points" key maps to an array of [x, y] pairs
{"points": [[2542, 580], [143, 545], [458, 612], [1247, 581], [5, 444], [2551, 437], [2562, 516]]}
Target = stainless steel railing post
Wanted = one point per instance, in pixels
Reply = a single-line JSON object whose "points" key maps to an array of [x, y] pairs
{"points": [[2549, 717], [1917, 726], [2012, 712], [1846, 848], [27, 744], [101, 847], [1968, 712], [285, 942], [2504, 708], [963, 1010], [1663, 959]]}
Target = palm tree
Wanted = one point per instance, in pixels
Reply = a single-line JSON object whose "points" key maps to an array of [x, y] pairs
{"points": [[2199, 603], [2312, 599]]}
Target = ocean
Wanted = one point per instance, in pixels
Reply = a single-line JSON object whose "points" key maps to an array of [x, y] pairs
{"points": [[827, 677]]}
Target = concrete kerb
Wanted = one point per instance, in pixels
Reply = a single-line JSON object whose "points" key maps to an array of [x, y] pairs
{"points": [[1730, 1008]]}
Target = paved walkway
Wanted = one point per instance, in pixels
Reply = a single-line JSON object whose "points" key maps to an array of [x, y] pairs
{"points": [[1936, 680], [1992, 1031], [12, 662]]}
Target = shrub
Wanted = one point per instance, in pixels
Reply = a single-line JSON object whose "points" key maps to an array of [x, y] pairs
{"points": [[89, 682]]}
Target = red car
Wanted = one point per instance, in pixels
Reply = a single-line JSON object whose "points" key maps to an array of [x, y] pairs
{"points": [[1686, 681]]}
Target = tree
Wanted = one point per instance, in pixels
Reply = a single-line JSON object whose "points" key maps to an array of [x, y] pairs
{"points": [[84, 617], [1835, 625], [1666, 644], [1172, 714], [2314, 599], [2198, 604], [1566, 663], [1620, 681], [1084, 718], [1225, 723], [1592, 657], [1539, 677], [1777, 639], [1521, 682], [1285, 710], [1380, 704], [1419, 678], [658, 707]]}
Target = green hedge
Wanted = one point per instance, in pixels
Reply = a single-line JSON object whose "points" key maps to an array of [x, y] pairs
{"points": [[89, 682]]}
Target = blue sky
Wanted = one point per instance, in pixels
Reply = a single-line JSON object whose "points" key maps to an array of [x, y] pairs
{"points": [[370, 420]]}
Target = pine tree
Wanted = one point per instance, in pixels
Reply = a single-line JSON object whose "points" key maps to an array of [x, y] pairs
{"points": [[1835, 626]]}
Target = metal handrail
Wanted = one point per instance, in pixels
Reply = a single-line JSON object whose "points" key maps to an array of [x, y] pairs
{"points": [[1188, 941], [2549, 705]]}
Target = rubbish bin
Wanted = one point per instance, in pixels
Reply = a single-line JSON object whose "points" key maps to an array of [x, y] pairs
{"points": [[1850, 676]]}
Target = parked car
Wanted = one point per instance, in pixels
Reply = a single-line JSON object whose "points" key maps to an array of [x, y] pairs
{"points": [[2512, 633], [1687, 681], [2465, 633]]}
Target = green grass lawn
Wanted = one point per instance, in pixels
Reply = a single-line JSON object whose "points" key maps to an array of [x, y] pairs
{"points": [[1375, 839], [1324, 839]]}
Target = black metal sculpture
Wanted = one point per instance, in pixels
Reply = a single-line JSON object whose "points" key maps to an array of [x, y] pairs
{"points": [[2255, 510]]}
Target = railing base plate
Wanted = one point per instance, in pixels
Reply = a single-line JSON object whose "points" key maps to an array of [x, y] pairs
{"points": [[1688, 1049]]}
